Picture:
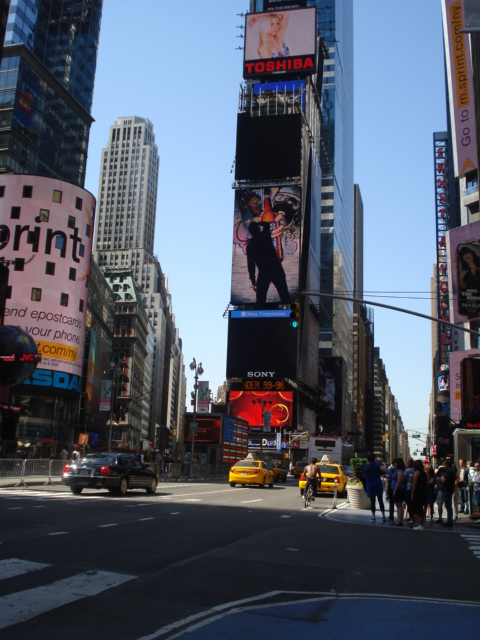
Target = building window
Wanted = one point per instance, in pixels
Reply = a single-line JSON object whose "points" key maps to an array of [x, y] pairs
{"points": [[64, 299], [78, 203], [50, 268], [71, 222], [19, 264], [2, 191], [44, 215], [36, 294], [80, 306], [15, 213], [72, 274], [57, 196], [27, 191]]}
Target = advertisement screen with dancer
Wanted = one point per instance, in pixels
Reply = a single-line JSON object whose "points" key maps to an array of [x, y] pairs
{"points": [[266, 252]]}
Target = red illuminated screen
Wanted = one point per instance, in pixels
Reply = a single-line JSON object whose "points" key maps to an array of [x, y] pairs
{"points": [[249, 404]]}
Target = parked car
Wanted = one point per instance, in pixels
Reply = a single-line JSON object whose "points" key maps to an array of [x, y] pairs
{"points": [[250, 472], [116, 472], [329, 473], [279, 473], [299, 468]]}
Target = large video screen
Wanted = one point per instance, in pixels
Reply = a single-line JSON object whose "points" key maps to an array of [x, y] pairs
{"points": [[261, 343], [265, 410], [261, 147], [266, 245], [280, 43]]}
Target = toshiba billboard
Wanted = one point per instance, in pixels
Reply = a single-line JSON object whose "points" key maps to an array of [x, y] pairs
{"points": [[280, 43], [46, 230]]}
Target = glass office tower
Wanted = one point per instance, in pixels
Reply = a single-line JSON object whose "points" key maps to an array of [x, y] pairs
{"points": [[335, 26], [47, 71]]}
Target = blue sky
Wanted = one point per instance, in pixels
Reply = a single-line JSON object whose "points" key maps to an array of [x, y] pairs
{"points": [[177, 64]]}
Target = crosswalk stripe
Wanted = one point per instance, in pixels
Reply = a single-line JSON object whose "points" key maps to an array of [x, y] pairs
{"points": [[15, 567], [24, 605]]}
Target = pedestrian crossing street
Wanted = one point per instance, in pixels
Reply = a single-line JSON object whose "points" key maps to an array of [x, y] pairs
{"points": [[21, 606], [473, 540]]}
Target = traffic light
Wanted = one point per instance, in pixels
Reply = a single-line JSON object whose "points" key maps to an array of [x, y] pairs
{"points": [[384, 438], [295, 315]]}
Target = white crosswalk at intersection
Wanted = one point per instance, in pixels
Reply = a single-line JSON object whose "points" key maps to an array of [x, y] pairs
{"points": [[474, 543], [25, 605]]}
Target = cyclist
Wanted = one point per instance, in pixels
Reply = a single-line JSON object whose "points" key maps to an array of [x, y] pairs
{"points": [[313, 476]]}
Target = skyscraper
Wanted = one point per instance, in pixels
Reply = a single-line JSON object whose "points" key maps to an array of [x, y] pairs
{"points": [[335, 28], [47, 72], [125, 230]]}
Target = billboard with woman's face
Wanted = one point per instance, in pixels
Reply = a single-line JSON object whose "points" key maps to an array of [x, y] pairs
{"points": [[464, 265], [280, 43]]}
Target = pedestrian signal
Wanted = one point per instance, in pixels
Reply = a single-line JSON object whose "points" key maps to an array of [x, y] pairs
{"points": [[295, 315]]}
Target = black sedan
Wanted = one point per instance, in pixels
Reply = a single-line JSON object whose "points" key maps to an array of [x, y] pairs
{"points": [[116, 472]]}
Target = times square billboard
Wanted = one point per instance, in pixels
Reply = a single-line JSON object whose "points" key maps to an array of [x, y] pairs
{"points": [[266, 244], [46, 230], [463, 245], [280, 43]]}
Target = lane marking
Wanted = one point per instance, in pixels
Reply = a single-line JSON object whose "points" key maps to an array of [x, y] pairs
{"points": [[105, 526], [15, 567], [200, 493], [196, 621], [145, 519], [249, 501], [25, 605], [58, 533]]}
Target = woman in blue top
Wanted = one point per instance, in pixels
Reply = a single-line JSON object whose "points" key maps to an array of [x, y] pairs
{"points": [[373, 472]]}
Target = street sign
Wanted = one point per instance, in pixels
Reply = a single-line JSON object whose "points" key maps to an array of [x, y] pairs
{"points": [[279, 441], [193, 430]]}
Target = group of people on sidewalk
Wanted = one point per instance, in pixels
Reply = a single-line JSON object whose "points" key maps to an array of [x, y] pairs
{"points": [[415, 488]]}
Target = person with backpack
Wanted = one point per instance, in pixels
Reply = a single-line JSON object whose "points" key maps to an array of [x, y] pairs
{"points": [[398, 489]]}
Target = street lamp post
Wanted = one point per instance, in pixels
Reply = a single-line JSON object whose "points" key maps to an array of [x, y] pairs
{"points": [[115, 369], [198, 369]]}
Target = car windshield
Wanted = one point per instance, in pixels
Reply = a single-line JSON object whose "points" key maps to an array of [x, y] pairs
{"points": [[247, 463], [328, 468], [98, 458], [302, 464]]}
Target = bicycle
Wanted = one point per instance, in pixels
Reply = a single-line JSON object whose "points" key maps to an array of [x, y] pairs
{"points": [[308, 495]]}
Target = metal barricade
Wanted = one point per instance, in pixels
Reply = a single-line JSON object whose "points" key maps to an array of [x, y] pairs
{"points": [[11, 468], [32, 469]]}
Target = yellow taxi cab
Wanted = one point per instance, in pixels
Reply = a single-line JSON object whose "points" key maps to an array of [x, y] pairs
{"points": [[330, 471], [279, 473], [250, 472], [299, 468]]}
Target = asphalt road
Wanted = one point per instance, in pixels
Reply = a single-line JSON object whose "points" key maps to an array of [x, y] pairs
{"points": [[208, 561]]}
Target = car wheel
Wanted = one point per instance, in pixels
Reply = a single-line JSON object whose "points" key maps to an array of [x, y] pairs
{"points": [[153, 486], [284, 479], [123, 487], [232, 484], [262, 486], [271, 484], [76, 490]]}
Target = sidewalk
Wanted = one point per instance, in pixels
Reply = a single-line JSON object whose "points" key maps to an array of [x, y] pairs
{"points": [[362, 516]]}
